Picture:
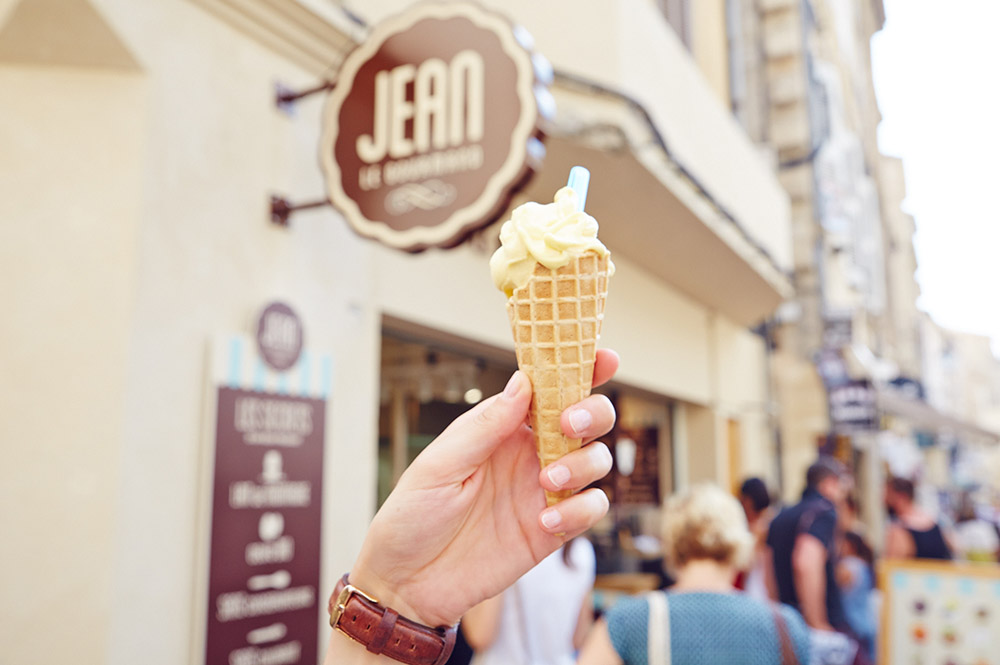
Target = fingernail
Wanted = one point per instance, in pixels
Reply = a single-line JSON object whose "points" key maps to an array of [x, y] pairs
{"points": [[551, 518], [513, 386], [558, 474], [580, 420]]}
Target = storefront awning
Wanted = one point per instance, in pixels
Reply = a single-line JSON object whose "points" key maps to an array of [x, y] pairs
{"points": [[922, 415], [653, 211]]}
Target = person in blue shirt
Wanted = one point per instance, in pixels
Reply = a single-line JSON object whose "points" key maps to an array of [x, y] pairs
{"points": [[702, 619], [857, 583]]}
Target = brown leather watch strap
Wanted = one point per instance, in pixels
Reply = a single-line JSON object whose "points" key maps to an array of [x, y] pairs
{"points": [[382, 631]]}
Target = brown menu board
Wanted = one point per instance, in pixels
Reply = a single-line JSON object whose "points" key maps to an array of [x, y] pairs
{"points": [[642, 485], [263, 601]]}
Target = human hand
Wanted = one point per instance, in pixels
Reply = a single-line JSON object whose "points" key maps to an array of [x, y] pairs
{"points": [[468, 516]]}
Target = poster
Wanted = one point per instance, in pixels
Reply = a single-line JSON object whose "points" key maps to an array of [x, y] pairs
{"points": [[263, 599], [939, 613]]}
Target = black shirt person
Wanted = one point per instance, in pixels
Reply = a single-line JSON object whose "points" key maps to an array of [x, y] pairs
{"points": [[803, 545], [913, 534]]}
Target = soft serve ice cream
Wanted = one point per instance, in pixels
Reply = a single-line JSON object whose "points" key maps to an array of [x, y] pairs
{"points": [[555, 273], [550, 234]]}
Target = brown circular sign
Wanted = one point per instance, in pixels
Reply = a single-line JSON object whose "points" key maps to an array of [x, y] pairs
{"points": [[429, 129], [279, 336]]}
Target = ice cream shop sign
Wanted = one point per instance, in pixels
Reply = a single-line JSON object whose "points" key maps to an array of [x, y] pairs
{"points": [[432, 125]]}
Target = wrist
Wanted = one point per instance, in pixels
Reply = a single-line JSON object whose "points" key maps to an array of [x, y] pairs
{"points": [[382, 629], [397, 598]]}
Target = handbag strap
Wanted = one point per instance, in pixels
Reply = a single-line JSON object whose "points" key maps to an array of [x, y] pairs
{"points": [[658, 631], [788, 656]]}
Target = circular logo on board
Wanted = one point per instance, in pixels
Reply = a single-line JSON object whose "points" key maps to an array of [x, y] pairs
{"points": [[279, 336], [432, 126]]}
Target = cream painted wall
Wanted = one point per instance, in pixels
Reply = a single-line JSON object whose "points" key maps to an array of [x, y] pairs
{"points": [[710, 45], [453, 290], [705, 431], [803, 417], [71, 157], [740, 369]]}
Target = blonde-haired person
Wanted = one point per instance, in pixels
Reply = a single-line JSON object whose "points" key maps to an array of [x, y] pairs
{"points": [[702, 619]]}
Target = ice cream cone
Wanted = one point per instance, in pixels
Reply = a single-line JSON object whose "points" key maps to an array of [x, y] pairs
{"points": [[556, 320]]}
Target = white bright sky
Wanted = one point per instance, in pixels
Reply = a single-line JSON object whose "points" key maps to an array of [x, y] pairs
{"points": [[937, 77]]}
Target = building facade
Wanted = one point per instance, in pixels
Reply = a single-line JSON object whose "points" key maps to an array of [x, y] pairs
{"points": [[142, 145], [802, 87]]}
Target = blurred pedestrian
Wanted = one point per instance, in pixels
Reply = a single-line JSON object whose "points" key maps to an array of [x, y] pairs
{"points": [[803, 541], [912, 534], [756, 502], [975, 538], [542, 618], [850, 516], [702, 619], [856, 578]]}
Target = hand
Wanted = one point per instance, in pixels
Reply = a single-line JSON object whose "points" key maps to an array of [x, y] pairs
{"points": [[468, 516]]}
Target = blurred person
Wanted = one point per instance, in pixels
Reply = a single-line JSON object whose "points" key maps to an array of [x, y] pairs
{"points": [[803, 543], [702, 619], [756, 502], [466, 520], [856, 578], [542, 618], [975, 539], [850, 516], [912, 534]]}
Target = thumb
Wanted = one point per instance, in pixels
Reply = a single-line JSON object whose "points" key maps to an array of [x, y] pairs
{"points": [[472, 437]]}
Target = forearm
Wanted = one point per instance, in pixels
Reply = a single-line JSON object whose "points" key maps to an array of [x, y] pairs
{"points": [[808, 567], [343, 650], [812, 600], [584, 622]]}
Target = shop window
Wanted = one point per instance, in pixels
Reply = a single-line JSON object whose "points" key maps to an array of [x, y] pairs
{"points": [[424, 386], [628, 543]]}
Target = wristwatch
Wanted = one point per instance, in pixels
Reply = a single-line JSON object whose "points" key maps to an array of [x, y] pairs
{"points": [[382, 631]]}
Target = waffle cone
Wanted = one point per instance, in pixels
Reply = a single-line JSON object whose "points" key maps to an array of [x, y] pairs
{"points": [[556, 320]]}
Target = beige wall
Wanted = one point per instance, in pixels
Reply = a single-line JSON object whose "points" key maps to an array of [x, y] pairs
{"points": [[803, 417], [68, 265], [710, 45]]}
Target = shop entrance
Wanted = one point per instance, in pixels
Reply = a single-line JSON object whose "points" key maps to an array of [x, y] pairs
{"points": [[425, 384]]}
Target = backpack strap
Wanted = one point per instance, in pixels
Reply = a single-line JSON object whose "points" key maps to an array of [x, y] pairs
{"points": [[658, 631]]}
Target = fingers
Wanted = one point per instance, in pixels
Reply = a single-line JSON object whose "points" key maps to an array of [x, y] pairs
{"points": [[588, 419], [574, 515], [474, 435], [605, 366], [577, 469]]}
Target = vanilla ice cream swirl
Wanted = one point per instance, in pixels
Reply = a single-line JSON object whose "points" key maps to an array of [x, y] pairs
{"points": [[550, 234]]}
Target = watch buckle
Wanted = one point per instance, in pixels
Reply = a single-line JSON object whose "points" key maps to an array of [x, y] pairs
{"points": [[341, 604]]}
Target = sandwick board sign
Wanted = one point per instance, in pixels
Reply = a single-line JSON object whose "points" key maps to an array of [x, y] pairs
{"points": [[432, 125], [260, 599]]}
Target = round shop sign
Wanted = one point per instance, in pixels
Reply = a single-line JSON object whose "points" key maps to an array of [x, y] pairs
{"points": [[432, 125], [279, 336]]}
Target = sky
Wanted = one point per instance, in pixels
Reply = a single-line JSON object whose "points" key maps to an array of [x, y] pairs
{"points": [[936, 68]]}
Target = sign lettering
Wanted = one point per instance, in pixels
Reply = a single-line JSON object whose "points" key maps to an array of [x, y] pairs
{"points": [[430, 127]]}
